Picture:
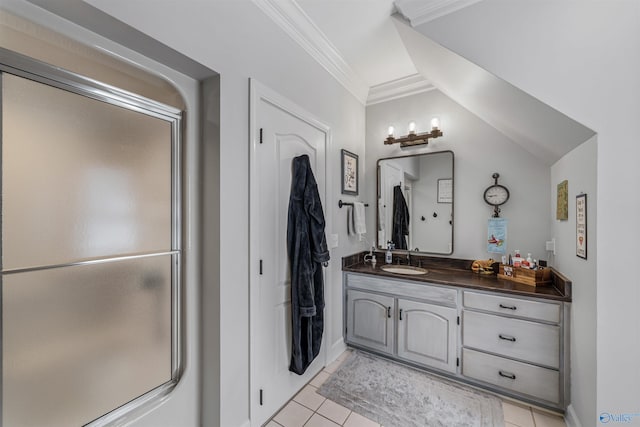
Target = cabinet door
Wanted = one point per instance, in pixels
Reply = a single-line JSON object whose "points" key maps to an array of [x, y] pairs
{"points": [[370, 320], [427, 334]]}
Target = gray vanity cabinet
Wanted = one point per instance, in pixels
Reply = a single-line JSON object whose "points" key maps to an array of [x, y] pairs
{"points": [[413, 322], [515, 344], [427, 334], [370, 320]]}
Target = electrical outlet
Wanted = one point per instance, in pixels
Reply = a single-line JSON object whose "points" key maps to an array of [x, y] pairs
{"points": [[334, 240]]}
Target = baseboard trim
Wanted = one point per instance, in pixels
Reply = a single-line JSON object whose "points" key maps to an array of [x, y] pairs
{"points": [[336, 350], [571, 418]]}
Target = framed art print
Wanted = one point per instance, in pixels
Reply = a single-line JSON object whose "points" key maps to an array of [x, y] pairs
{"points": [[581, 226], [445, 190], [349, 173], [562, 202]]}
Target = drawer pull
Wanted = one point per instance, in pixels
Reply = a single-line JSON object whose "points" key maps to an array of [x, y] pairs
{"points": [[389, 312], [508, 307], [507, 338], [507, 375]]}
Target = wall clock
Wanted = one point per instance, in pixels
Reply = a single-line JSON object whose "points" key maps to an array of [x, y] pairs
{"points": [[496, 195]]}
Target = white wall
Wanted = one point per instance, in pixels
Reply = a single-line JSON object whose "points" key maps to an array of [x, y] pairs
{"points": [[181, 407], [578, 167], [479, 151], [582, 58], [237, 40]]}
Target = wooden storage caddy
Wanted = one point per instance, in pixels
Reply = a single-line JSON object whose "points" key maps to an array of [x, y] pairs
{"points": [[540, 277]]}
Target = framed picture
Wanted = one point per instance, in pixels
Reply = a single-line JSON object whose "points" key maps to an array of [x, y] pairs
{"points": [[581, 226], [445, 190], [562, 203], [349, 173]]}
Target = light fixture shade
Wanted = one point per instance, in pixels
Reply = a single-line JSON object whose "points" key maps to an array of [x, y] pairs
{"points": [[391, 130], [435, 123], [412, 128]]}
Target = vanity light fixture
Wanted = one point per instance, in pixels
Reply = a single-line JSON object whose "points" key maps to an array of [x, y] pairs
{"points": [[414, 138]]}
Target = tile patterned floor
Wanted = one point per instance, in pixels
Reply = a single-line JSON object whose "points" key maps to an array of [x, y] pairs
{"points": [[309, 409]]}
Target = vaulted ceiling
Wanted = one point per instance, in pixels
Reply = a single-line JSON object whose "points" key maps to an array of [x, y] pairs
{"points": [[357, 41], [375, 49]]}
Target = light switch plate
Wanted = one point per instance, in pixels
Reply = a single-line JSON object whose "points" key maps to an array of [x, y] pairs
{"points": [[551, 246], [334, 240]]}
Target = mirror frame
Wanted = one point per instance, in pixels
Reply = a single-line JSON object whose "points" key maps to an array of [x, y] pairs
{"points": [[453, 192]]}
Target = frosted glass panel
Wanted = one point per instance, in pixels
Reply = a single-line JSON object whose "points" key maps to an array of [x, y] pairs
{"points": [[81, 178], [80, 341]]}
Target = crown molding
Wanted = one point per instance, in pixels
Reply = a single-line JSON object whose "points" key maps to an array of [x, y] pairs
{"points": [[399, 88], [289, 16], [420, 12]]}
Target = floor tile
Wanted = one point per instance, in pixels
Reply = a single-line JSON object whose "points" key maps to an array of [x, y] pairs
{"points": [[333, 411], [320, 421], [272, 424], [319, 379], [509, 425], [344, 355], [518, 415], [309, 398], [357, 420], [293, 415], [331, 368], [543, 419]]}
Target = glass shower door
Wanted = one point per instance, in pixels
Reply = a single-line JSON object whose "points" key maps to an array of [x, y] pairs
{"points": [[90, 253]]}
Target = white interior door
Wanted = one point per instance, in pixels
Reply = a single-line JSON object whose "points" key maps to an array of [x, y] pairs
{"points": [[390, 176], [408, 197], [281, 131]]}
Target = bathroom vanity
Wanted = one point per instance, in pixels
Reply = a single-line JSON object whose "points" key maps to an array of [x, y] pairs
{"points": [[506, 337]]}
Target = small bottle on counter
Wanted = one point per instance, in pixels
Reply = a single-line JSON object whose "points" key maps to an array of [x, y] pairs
{"points": [[388, 258], [518, 261]]}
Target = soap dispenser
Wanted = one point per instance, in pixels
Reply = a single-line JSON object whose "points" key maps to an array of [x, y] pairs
{"points": [[388, 258], [371, 257]]}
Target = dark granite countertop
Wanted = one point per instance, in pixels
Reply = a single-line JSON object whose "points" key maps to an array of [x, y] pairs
{"points": [[457, 272]]}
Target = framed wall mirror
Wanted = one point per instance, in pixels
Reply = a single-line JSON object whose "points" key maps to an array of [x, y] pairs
{"points": [[415, 202]]}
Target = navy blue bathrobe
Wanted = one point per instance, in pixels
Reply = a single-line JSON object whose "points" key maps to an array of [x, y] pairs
{"points": [[400, 228], [307, 250]]}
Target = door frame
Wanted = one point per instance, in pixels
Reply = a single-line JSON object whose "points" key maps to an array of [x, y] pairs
{"points": [[258, 92]]}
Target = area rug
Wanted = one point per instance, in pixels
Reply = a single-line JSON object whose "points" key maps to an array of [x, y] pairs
{"points": [[395, 395]]}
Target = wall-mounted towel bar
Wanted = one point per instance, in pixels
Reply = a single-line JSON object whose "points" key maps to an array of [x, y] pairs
{"points": [[341, 204]]}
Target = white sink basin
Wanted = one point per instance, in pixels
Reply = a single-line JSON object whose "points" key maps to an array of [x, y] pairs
{"points": [[404, 269]]}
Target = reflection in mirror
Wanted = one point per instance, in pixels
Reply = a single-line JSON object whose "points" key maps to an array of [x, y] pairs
{"points": [[415, 202]]}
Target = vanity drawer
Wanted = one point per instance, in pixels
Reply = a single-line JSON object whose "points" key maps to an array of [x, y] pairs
{"points": [[545, 311], [418, 290], [519, 377], [529, 341]]}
